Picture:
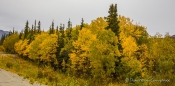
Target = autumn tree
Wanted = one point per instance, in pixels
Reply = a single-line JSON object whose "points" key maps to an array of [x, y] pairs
{"points": [[129, 64], [98, 25], [9, 43], [34, 48], [48, 49], [103, 55], [21, 47], [2, 48], [140, 34], [161, 64], [67, 49], [80, 62], [43, 48]]}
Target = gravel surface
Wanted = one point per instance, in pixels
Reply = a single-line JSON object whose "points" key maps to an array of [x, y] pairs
{"points": [[10, 79]]}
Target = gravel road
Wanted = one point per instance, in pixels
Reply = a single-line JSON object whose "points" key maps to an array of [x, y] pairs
{"points": [[10, 79]]}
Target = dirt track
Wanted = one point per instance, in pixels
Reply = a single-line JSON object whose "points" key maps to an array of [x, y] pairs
{"points": [[11, 79]]}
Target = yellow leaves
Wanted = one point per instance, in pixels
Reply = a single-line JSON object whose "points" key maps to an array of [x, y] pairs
{"points": [[9, 42], [34, 47], [74, 60], [44, 48], [17, 47], [2, 48], [129, 46], [21, 47], [129, 29], [79, 55], [84, 40], [49, 48], [98, 24], [24, 47]]}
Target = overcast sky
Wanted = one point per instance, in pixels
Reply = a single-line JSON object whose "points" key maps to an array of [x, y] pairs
{"points": [[156, 15]]}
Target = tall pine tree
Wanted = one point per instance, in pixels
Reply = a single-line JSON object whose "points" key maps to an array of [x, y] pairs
{"points": [[39, 27], [2, 38], [52, 27], [57, 30], [82, 23], [26, 30], [112, 19], [35, 27], [69, 29]]}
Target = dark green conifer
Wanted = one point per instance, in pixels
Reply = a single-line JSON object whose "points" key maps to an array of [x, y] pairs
{"points": [[39, 27], [112, 19], [82, 24]]}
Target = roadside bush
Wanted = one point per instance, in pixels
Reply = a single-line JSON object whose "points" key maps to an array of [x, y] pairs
{"points": [[9, 43], [2, 48], [9, 64]]}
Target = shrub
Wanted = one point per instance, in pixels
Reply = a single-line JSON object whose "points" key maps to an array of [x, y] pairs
{"points": [[2, 48], [9, 64]]}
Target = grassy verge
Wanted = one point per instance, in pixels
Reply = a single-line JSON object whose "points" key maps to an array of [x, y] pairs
{"points": [[46, 75], [34, 73]]}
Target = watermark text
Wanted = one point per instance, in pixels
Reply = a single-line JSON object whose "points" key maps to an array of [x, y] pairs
{"points": [[146, 80]]}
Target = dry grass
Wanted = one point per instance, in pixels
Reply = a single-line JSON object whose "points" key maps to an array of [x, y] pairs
{"points": [[44, 75]]}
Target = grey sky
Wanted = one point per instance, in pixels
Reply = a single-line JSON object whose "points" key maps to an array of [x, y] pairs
{"points": [[156, 15]]}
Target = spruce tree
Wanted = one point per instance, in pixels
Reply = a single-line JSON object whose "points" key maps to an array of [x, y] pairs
{"points": [[57, 29], [61, 45], [69, 29], [32, 28], [69, 24], [113, 25], [62, 30], [112, 19], [82, 24], [63, 27], [26, 30], [20, 34], [2, 39], [13, 31], [35, 27], [39, 27], [52, 28]]}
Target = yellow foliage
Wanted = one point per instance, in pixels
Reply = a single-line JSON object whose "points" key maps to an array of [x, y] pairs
{"points": [[44, 48], [9, 42], [21, 47], [129, 29], [129, 46], [78, 56], [2, 48], [98, 24], [34, 47], [49, 48]]}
